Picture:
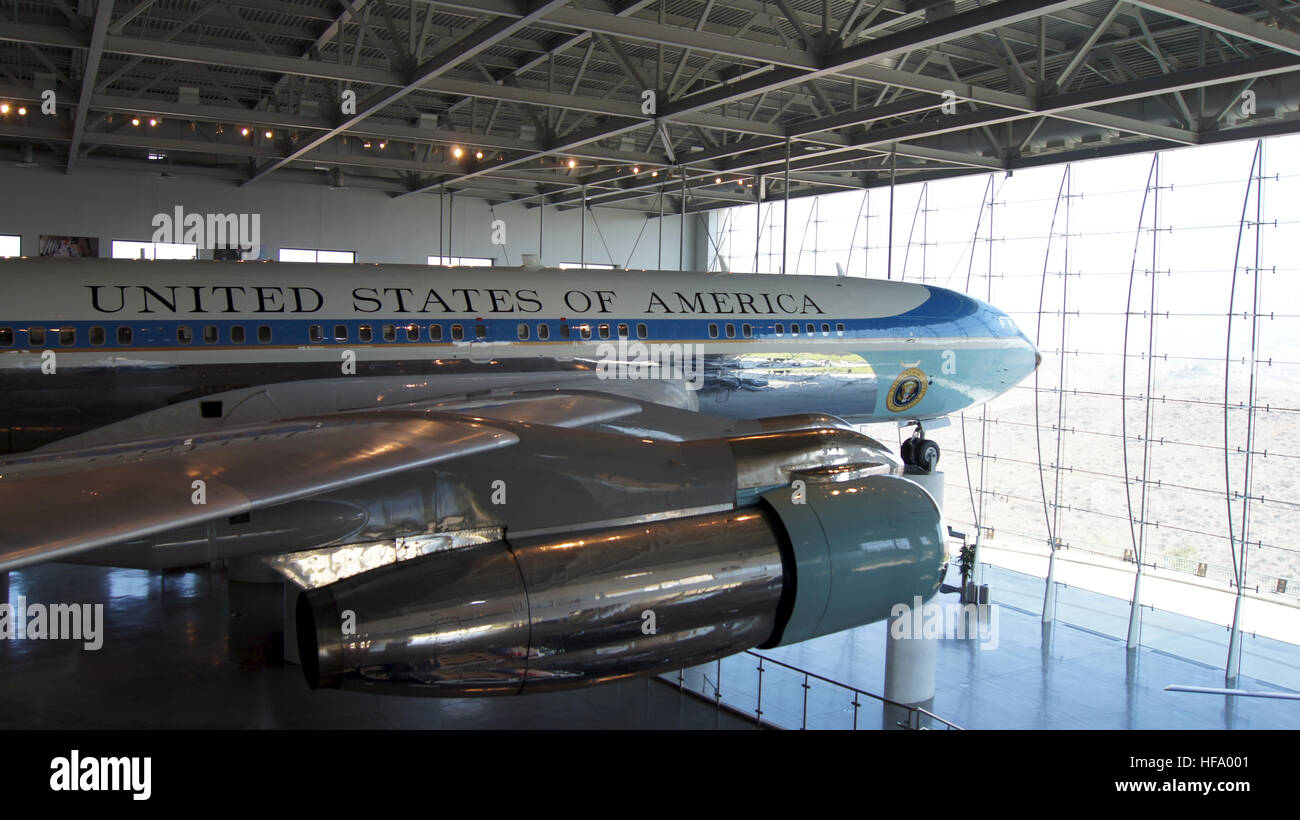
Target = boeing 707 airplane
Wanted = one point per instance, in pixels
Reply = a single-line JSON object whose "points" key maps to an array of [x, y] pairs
{"points": [[493, 480]]}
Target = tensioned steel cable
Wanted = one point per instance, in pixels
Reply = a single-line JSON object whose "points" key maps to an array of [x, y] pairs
{"points": [[1238, 575], [1038, 333], [987, 196], [1123, 379]]}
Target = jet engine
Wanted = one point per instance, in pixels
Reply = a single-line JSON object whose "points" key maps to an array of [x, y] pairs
{"points": [[559, 611]]}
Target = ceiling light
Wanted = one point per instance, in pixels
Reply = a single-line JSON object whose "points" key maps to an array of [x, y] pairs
{"points": [[4, 108], [135, 121], [457, 151], [153, 123], [243, 132], [365, 144], [717, 180], [22, 110], [269, 134], [573, 163], [382, 145], [654, 173], [478, 155]]}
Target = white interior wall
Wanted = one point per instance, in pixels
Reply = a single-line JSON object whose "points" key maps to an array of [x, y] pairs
{"points": [[116, 204]]}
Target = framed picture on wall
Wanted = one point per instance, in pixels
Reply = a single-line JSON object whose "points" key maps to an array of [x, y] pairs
{"points": [[71, 247]]}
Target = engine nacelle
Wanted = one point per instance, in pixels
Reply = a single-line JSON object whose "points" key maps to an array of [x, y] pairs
{"points": [[562, 611]]}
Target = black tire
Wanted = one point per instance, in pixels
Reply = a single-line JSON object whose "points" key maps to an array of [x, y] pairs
{"points": [[926, 455], [907, 451]]}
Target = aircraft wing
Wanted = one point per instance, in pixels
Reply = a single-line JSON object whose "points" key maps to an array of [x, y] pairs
{"points": [[59, 504]]}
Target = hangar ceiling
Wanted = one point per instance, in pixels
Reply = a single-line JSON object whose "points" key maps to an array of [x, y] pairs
{"points": [[546, 101]]}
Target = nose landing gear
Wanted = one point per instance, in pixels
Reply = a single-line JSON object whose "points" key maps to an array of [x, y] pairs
{"points": [[920, 452]]}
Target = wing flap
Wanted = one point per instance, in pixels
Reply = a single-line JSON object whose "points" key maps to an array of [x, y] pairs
{"points": [[59, 504]]}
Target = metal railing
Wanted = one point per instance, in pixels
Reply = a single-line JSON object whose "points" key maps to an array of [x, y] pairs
{"points": [[903, 716]]}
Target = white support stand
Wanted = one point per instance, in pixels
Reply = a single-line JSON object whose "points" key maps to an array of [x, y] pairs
{"points": [[910, 657]]}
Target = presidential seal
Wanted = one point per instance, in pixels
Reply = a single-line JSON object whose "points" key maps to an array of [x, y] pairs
{"points": [[907, 390]]}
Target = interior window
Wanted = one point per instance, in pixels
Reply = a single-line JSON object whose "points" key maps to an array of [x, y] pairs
{"points": [[340, 333], [457, 333], [412, 333], [585, 331], [622, 331], [780, 329], [315, 334], [523, 332], [264, 334], [565, 331], [390, 333], [435, 333], [839, 328], [604, 331], [36, 336], [124, 335], [365, 333], [731, 330], [210, 334], [237, 334], [713, 331], [480, 332], [68, 336], [543, 332], [97, 335], [641, 330], [746, 330]]}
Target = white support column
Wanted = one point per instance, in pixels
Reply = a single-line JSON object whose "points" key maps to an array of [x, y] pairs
{"points": [[911, 653]]}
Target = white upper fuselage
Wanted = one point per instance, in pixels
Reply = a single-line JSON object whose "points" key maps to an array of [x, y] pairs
{"points": [[115, 314]]}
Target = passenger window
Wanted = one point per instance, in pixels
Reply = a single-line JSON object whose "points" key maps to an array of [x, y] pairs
{"points": [[794, 329], [746, 330], [731, 330], [365, 333], [480, 332], [6, 336], [543, 332], [124, 335], [340, 333], [713, 331], [68, 336], [36, 336], [435, 333], [810, 329], [839, 328], [565, 331], [826, 329], [780, 329], [623, 331], [641, 330], [264, 334], [585, 331], [237, 334], [523, 333], [97, 335], [604, 331], [184, 335], [412, 333], [315, 334], [210, 334], [457, 333], [390, 333]]}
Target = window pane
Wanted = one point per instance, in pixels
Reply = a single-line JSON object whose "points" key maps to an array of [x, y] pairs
{"points": [[184, 335], [36, 335], [237, 334], [165, 250], [346, 257], [126, 249], [295, 255], [10, 246]]}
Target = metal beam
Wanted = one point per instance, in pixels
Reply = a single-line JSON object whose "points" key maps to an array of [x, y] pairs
{"points": [[464, 49], [103, 14], [1227, 22]]}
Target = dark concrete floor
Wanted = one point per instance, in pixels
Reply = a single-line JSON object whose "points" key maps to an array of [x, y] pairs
{"points": [[192, 650]]}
